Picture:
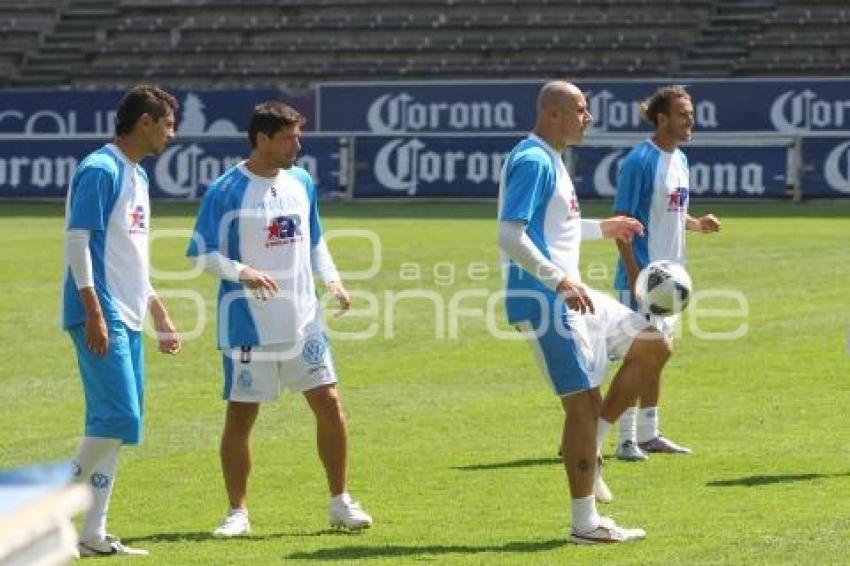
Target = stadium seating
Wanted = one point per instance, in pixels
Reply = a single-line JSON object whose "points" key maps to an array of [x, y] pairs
{"points": [[295, 42]]}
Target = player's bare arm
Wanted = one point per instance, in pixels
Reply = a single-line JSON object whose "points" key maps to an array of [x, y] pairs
{"points": [[97, 337], [704, 224], [166, 331], [262, 284]]}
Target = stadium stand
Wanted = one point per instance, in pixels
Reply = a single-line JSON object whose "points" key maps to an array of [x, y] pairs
{"points": [[295, 42]]}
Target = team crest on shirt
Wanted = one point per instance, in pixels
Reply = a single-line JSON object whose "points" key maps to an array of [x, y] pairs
{"points": [[677, 199], [99, 480], [138, 220], [284, 229]]}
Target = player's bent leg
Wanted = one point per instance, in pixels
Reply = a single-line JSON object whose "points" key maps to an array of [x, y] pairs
{"points": [[643, 362]]}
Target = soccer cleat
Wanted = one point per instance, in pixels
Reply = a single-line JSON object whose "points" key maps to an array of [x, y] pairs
{"points": [[662, 445], [109, 546], [236, 524], [607, 532], [349, 515], [631, 452], [600, 489]]}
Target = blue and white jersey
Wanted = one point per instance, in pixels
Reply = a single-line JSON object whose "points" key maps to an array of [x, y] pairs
{"points": [[653, 186], [108, 197], [536, 189], [269, 224]]}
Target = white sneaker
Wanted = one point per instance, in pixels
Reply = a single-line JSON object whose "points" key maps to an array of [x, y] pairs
{"points": [[607, 532], [630, 452], [236, 524], [108, 546], [347, 513], [600, 488]]}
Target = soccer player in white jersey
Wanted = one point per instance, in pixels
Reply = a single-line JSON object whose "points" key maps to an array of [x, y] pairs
{"points": [[652, 187], [107, 293], [258, 230], [571, 328]]}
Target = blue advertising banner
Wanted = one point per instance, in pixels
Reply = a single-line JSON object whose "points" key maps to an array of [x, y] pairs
{"points": [[785, 106], [44, 168], [826, 167], [457, 167], [82, 113], [729, 171], [429, 166]]}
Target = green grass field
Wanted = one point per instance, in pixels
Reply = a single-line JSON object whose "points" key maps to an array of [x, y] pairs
{"points": [[453, 438]]}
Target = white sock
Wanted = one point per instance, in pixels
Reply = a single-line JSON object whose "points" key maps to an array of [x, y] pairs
{"points": [[237, 511], [647, 424], [628, 425], [342, 499], [585, 517], [93, 450], [602, 427], [101, 482]]}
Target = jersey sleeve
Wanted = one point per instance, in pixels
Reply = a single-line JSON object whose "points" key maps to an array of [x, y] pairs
{"points": [[630, 186], [92, 198], [205, 237], [315, 220], [525, 182]]}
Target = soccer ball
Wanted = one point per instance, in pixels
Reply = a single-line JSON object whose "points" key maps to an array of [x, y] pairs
{"points": [[663, 288]]}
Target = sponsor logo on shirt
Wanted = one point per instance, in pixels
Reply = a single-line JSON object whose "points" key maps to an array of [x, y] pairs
{"points": [[677, 199], [284, 229], [138, 220], [244, 380], [574, 209]]}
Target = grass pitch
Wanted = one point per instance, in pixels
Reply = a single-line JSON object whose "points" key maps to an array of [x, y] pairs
{"points": [[453, 432]]}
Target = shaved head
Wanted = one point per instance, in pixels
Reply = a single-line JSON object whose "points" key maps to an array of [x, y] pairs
{"points": [[562, 114], [558, 94]]}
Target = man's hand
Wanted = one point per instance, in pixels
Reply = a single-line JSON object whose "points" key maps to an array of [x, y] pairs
{"points": [[707, 224], [166, 332], [97, 337], [169, 338], [575, 296], [262, 284], [336, 289], [622, 228]]}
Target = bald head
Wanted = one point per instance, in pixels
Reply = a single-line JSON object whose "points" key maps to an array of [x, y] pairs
{"points": [[557, 94], [562, 114]]}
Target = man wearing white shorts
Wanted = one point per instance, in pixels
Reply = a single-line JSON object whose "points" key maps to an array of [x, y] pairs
{"points": [[572, 329], [653, 187], [258, 230]]}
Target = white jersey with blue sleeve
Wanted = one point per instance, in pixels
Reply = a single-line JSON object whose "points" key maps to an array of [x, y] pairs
{"points": [[536, 189], [108, 197], [653, 186], [269, 224]]}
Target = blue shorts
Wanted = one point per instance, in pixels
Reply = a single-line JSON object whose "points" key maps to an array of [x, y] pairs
{"points": [[573, 350], [113, 384]]}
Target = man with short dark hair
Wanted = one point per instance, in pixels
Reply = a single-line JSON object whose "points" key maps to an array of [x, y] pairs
{"points": [[652, 187], [107, 293], [258, 230]]}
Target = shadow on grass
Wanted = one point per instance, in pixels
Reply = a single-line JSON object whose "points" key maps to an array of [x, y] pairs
{"points": [[389, 551], [512, 464], [202, 536], [754, 481]]}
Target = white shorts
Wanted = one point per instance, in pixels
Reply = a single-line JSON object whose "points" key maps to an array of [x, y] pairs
{"points": [[667, 325], [257, 374], [573, 350]]}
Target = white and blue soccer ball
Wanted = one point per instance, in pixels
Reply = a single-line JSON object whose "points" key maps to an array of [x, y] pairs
{"points": [[663, 288]]}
